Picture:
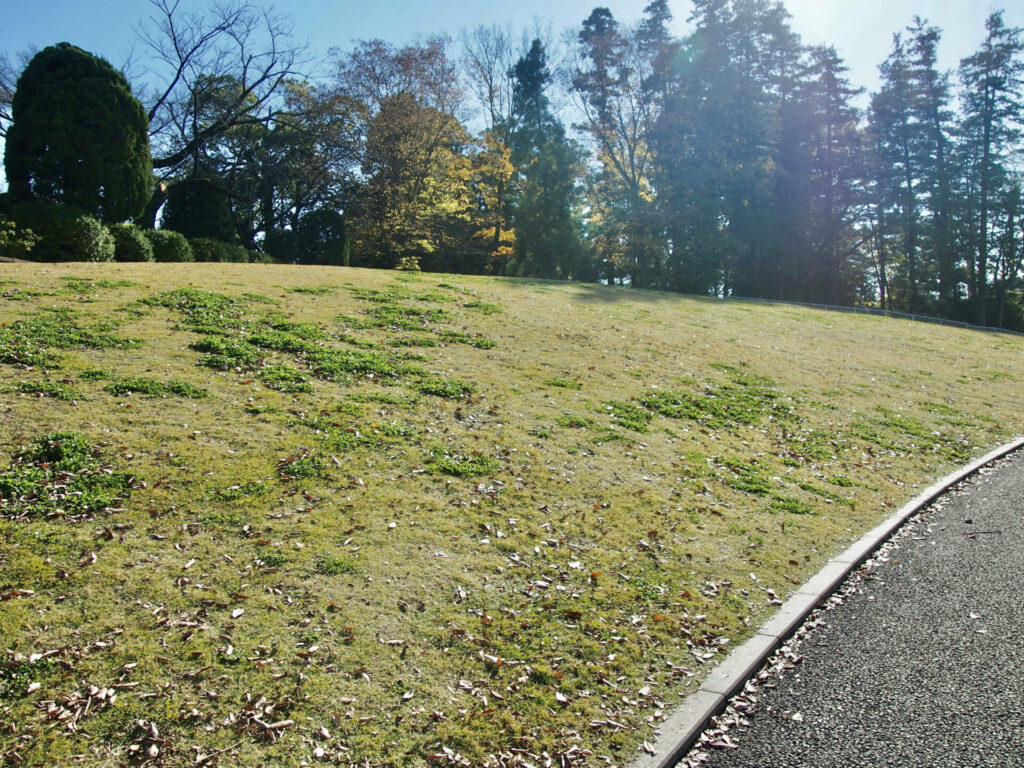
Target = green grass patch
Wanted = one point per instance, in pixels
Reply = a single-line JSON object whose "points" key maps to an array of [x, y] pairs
{"points": [[95, 374], [223, 352], [55, 389], [83, 285], [790, 505], [307, 331], [140, 385], [745, 399], [243, 491], [483, 307], [356, 341], [17, 676], [628, 415], [25, 294], [396, 429], [285, 378], [204, 311], [443, 386], [272, 559], [31, 341], [412, 341], [282, 341], [463, 464], [744, 476], [405, 318], [60, 476], [389, 296], [574, 421], [304, 464], [563, 383], [339, 364], [328, 565], [384, 398], [472, 340]]}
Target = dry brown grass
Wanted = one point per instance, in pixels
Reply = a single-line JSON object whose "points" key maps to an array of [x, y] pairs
{"points": [[584, 581]]}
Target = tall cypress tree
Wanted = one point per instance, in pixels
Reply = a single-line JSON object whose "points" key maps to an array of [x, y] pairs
{"points": [[992, 80], [932, 113], [78, 136], [836, 170], [547, 236], [896, 132]]}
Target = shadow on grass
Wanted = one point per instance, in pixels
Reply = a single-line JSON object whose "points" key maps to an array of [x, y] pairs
{"points": [[593, 292]]}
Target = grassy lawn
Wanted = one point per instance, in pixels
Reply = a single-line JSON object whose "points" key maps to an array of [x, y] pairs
{"points": [[265, 515]]}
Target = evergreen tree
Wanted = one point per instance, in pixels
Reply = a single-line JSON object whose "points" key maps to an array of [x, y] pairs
{"points": [[991, 80], [729, 175], [78, 136], [836, 161], [932, 113], [620, 91], [199, 208], [896, 138], [547, 238]]}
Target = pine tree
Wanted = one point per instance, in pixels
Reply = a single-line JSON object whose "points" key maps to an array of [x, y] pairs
{"points": [[547, 237], [991, 81], [617, 83], [897, 136], [932, 114], [836, 171]]}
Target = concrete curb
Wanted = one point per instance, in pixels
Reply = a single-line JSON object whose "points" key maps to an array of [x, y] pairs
{"points": [[684, 726]]}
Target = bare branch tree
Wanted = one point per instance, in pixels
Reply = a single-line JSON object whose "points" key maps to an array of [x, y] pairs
{"points": [[488, 56], [7, 80], [195, 56]]}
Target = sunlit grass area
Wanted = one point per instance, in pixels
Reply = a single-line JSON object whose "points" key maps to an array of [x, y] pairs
{"points": [[266, 515]]}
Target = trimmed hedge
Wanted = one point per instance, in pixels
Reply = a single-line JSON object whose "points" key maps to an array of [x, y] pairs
{"points": [[65, 233], [169, 245], [131, 243], [207, 249]]}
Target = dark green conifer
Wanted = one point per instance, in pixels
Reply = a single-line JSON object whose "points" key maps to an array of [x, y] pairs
{"points": [[199, 208], [78, 136]]}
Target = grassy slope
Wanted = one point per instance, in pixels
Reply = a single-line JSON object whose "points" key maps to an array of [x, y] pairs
{"points": [[537, 570]]}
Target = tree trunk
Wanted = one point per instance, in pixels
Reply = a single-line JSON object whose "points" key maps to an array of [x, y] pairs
{"points": [[148, 218]]}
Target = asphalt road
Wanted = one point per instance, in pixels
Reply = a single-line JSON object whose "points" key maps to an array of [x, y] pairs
{"points": [[923, 665]]}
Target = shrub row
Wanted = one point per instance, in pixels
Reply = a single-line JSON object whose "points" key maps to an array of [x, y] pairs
{"points": [[44, 231]]}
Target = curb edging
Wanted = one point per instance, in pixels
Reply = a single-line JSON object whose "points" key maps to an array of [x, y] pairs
{"points": [[683, 728]]}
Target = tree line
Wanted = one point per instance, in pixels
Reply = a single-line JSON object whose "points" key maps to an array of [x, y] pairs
{"points": [[732, 161]]}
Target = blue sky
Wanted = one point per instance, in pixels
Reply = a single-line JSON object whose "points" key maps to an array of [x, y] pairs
{"points": [[860, 29]]}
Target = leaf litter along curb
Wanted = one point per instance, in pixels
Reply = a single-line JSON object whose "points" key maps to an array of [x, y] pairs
{"points": [[725, 730], [548, 599]]}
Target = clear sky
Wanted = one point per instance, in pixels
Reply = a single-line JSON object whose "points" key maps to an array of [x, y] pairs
{"points": [[861, 30]]}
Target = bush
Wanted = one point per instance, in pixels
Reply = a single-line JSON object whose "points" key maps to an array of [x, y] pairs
{"points": [[256, 257], [16, 242], [322, 238], [65, 233], [131, 243], [169, 245], [200, 208], [279, 245], [207, 249]]}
